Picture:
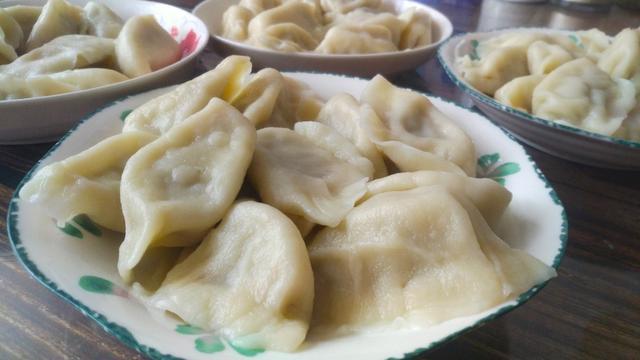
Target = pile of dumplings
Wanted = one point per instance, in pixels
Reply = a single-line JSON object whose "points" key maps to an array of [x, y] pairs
{"points": [[326, 26], [254, 209], [586, 80], [60, 48]]}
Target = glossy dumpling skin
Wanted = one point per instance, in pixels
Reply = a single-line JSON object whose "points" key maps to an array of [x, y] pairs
{"points": [[356, 39], [26, 16], [86, 183], [579, 94], [235, 21], [320, 182], [344, 114], [366, 17], [518, 92], [250, 280], [423, 255], [622, 58], [410, 118], [13, 34], [296, 102], [143, 46], [102, 21], [489, 197], [543, 57], [497, 68], [286, 37], [630, 127], [258, 96], [159, 115], [7, 52], [14, 87], [417, 29], [58, 17], [177, 187], [63, 53]]}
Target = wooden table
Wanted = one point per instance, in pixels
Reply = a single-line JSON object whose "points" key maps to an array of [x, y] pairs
{"points": [[592, 310]]}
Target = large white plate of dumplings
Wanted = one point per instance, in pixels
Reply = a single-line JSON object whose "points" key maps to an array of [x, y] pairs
{"points": [[359, 220], [360, 38], [61, 59], [572, 94]]}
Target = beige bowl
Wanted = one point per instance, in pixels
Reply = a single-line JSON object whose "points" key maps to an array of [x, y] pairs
{"points": [[46, 118], [366, 65]]}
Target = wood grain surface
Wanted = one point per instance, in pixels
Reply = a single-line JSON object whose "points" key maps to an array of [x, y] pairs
{"points": [[591, 311]]}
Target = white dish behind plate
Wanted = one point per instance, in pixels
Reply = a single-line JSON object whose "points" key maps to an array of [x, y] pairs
{"points": [[83, 271], [367, 65], [556, 139], [46, 118]]}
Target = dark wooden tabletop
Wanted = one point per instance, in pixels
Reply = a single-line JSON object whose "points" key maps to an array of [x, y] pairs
{"points": [[591, 311]]}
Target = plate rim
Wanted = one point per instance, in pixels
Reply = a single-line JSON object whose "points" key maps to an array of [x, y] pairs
{"points": [[128, 339], [489, 101]]}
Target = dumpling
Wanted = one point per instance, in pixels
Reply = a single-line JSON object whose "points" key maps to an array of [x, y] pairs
{"points": [[594, 42], [257, 98], [417, 29], [26, 16], [58, 17], [346, 6], [304, 226], [160, 114], [543, 57], [366, 17], [357, 39], [410, 118], [622, 58], [258, 6], [579, 94], [344, 114], [7, 52], [12, 31], [488, 196], [518, 92], [63, 53], [14, 87], [250, 281], [296, 102], [520, 40], [423, 256], [102, 21], [235, 21], [179, 186], [144, 46], [630, 127], [304, 15], [498, 67], [89, 181], [300, 177], [286, 37], [409, 158]]}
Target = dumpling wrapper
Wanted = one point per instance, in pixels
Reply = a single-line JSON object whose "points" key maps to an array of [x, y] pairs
{"points": [[26, 16], [296, 102], [579, 94], [102, 21], [58, 18], [423, 255], [310, 172], [14, 87], [286, 37], [417, 30], [7, 52], [143, 46], [344, 114], [500, 66], [13, 34], [178, 187], [160, 114], [518, 92], [250, 280], [86, 183], [304, 15], [543, 57], [489, 197], [366, 17], [257, 98], [357, 39], [63, 53], [410, 118], [235, 21], [622, 58]]}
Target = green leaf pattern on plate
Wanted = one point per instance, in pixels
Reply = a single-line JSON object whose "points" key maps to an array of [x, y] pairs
{"points": [[124, 114], [70, 230], [98, 285], [474, 50], [84, 222], [209, 343], [488, 168], [187, 329]]}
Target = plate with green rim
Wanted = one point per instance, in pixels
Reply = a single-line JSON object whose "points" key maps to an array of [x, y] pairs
{"points": [[560, 140], [77, 260]]}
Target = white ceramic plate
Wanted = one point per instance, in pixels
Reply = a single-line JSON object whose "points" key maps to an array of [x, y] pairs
{"points": [[556, 139], [367, 65], [78, 260], [46, 118]]}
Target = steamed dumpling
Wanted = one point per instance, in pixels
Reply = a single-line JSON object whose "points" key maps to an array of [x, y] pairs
{"points": [[89, 181], [417, 29], [518, 92], [365, 18], [296, 102], [26, 16], [498, 67], [179, 186], [488, 196], [235, 21], [257, 98], [250, 281], [144, 46], [7, 52], [579, 94], [311, 172], [410, 118], [423, 255], [622, 58], [58, 17], [102, 21], [63, 53], [543, 57], [160, 114], [347, 6], [304, 15], [344, 114], [12, 31], [357, 39], [258, 6], [630, 127], [285, 37], [14, 87]]}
